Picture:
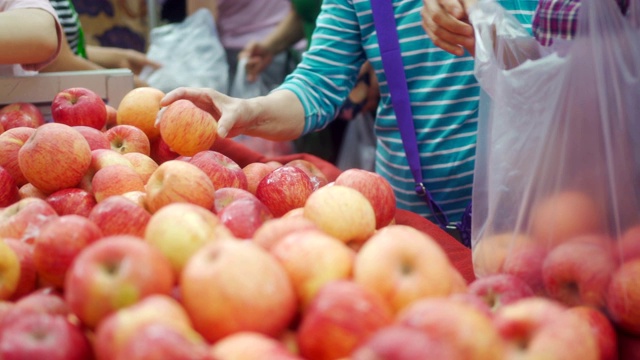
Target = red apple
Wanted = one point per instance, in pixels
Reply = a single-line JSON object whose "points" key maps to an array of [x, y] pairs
{"points": [[375, 188], [179, 181], [603, 330], [143, 164], [112, 117], [525, 260], [44, 300], [97, 139], [20, 114], [219, 299], [221, 169], [139, 107], [318, 178], [72, 201], [8, 188], [57, 144], [10, 143], [58, 243], [29, 190], [497, 290], [115, 180], [628, 345], [23, 219], [623, 297], [628, 245], [244, 216], [112, 273], [79, 106], [251, 345], [186, 128], [254, 172], [226, 195], [284, 189], [128, 138], [118, 215], [274, 230], [28, 274], [160, 151], [490, 251]]}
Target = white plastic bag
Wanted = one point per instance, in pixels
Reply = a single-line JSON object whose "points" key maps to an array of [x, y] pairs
{"points": [[242, 88], [191, 55]]}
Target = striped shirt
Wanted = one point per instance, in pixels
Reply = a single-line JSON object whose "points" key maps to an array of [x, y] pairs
{"points": [[70, 25], [442, 87]]}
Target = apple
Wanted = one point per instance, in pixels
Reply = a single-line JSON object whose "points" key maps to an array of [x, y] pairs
{"points": [[28, 274], [254, 172], [628, 345], [143, 164], [8, 188], [72, 201], [112, 117], [79, 106], [128, 138], [456, 325], [44, 300], [573, 281], [497, 290], [20, 114], [178, 181], [219, 299], [244, 216], [10, 143], [58, 243], [138, 197], [9, 271], [564, 215], [541, 328], [490, 251], [246, 345], [29, 190], [628, 245], [340, 317], [603, 330], [39, 335], [284, 189], [221, 169], [342, 212], [23, 219], [623, 297], [101, 158], [58, 144], [525, 260], [375, 188], [226, 195], [179, 229], [318, 178], [160, 151], [186, 128], [139, 107], [156, 327], [113, 273], [274, 230], [312, 259], [115, 180], [97, 139], [402, 264], [118, 215]]}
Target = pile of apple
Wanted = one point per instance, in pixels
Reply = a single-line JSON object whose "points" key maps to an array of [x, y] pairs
{"points": [[127, 239]]}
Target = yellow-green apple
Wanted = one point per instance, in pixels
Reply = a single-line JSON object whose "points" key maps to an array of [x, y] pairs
{"points": [[623, 296], [564, 215], [284, 189], [118, 215], [254, 172], [112, 273], [179, 181], [312, 259], [29, 190], [628, 244], [186, 128], [128, 138], [525, 261], [318, 178], [97, 139], [79, 106], [340, 317], [179, 229], [497, 290], [139, 107], [58, 243], [248, 345], [40, 335], [276, 229], [221, 169], [160, 151], [490, 251], [115, 180], [244, 216], [23, 219], [402, 264], [542, 328], [143, 164], [28, 274], [226, 195], [20, 114], [456, 325], [573, 281], [58, 144], [219, 299], [72, 201], [156, 327], [8, 188], [10, 143], [602, 329], [112, 117], [375, 188], [9, 270]]}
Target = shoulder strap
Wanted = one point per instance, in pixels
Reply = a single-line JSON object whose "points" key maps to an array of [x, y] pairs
{"points": [[390, 53]]}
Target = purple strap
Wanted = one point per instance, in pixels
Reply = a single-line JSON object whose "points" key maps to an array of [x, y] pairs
{"points": [[390, 53]]}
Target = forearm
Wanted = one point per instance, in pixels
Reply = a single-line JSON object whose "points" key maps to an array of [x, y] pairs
{"points": [[288, 32], [278, 116], [35, 42], [105, 56]]}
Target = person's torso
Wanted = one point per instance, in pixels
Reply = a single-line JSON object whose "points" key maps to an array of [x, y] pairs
{"points": [[241, 21]]}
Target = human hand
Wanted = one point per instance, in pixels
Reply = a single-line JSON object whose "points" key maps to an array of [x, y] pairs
{"points": [[136, 61], [446, 23], [259, 57]]}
